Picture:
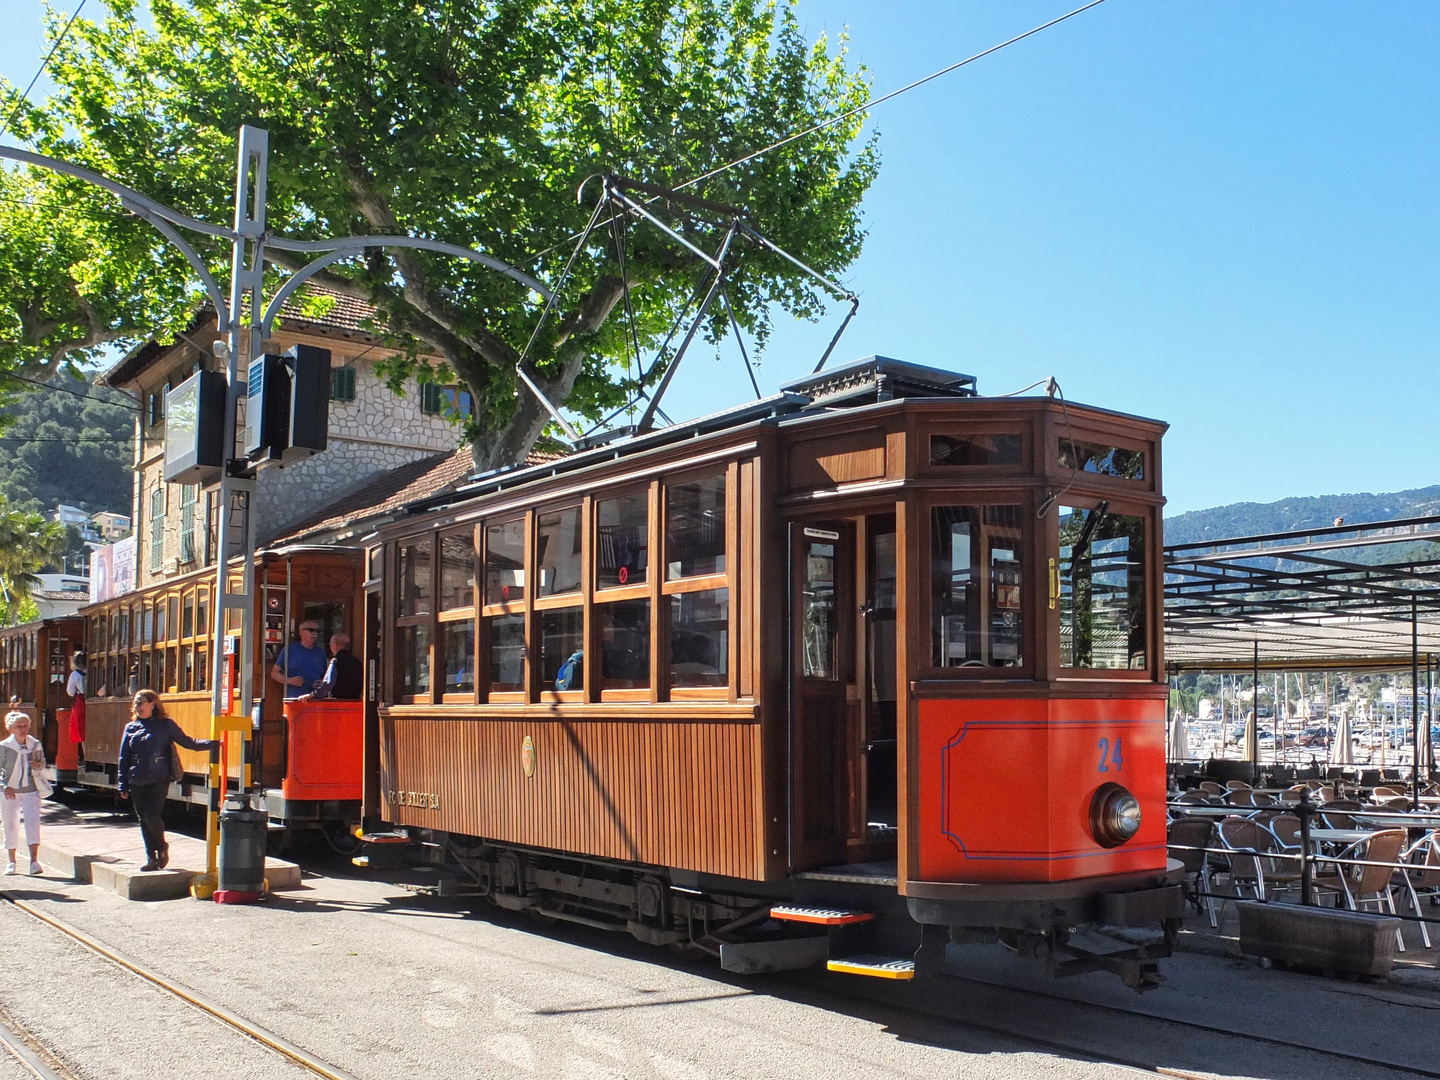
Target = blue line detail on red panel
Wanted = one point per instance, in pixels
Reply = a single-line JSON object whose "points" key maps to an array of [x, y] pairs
{"points": [[959, 737]]}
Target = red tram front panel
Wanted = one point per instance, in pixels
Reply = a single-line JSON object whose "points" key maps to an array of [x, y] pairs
{"points": [[1006, 787]]}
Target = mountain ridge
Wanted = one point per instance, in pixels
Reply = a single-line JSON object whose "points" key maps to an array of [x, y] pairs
{"points": [[1302, 512]]}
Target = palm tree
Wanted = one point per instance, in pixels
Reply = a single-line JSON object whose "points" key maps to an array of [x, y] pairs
{"points": [[27, 542]]}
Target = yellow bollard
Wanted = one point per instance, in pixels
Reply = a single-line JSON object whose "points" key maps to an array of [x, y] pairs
{"points": [[202, 886]]}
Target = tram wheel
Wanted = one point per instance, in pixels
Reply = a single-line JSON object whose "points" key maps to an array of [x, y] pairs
{"points": [[341, 838]]}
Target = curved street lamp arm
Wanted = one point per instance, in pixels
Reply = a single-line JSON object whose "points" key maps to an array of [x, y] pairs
{"points": [[158, 209], [304, 274], [212, 287], [353, 245]]}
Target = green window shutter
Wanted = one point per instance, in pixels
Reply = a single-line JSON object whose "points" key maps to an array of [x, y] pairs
{"points": [[431, 399], [342, 384]]}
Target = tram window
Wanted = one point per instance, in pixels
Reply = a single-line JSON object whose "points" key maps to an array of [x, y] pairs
{"points": [[562, 645], [622, 540], [126, 635], [202, 669], [1102, 589], [187, 668], [624, 644], [976, 614], [147, 624], [505, 562], [507, 653], [172, 618], [457, 570], [700, 638], [557, 551], [187, 616], [159, 621], [457, 643], [818, 660], [991, 448], [695, 528], [415, 660], [1102, 460], [415, 577], [202, 613]]}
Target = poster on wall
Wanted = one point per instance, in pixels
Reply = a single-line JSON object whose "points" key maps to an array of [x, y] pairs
{"points": [[112, 570]]}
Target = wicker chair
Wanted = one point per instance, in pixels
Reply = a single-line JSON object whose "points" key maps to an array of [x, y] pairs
{"points": [[1425, 854], [1365, 884], [1191, 834]]}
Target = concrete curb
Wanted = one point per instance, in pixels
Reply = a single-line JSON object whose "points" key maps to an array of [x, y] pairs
{"points": [[126, 880]]}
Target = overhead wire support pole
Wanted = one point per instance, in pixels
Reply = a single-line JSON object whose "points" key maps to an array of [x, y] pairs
{"points": [[718, 261], [1415, 700]]}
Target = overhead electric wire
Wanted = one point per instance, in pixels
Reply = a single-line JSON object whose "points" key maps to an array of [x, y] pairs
{"points": [[41, 70], [870, 104], [67, 390], [886, 97]]}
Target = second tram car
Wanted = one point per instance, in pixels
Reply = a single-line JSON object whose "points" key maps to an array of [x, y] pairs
{"points": [[840, 676]]}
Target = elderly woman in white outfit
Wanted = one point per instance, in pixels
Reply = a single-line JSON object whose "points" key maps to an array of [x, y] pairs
{"points": [[21, 761]]}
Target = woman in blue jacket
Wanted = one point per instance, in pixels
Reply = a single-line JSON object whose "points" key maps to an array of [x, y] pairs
{"points": [[145, 753]]}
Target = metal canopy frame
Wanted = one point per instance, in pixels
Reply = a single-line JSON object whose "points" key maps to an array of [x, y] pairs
{"points": [[1336, 597], [1341, 598]]}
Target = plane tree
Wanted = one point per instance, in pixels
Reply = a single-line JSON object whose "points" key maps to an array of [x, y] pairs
{"points": [[468, 121]]}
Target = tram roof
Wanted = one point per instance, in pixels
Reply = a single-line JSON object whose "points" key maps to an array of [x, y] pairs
{"points": [[870, 381], [1344, 596]]}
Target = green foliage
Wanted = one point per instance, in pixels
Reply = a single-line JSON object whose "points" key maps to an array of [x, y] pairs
{"points": [[28, 542], [58, 447], [470, 122]]}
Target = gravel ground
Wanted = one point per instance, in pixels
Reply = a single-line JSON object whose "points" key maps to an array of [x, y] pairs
{"points": [[380, 982], [102, 1021]]}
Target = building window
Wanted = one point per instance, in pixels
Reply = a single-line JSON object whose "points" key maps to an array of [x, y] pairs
{"points": [[157, 408], [157, 529], [188, 493], [342, 384], [432, 399]]}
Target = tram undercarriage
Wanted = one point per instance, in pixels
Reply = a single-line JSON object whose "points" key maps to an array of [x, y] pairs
{"points": [[849, 918]]}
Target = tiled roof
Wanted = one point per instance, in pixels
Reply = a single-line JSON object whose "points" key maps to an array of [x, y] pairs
{"points": [[63, 594], [385, 495], [344, 313]]}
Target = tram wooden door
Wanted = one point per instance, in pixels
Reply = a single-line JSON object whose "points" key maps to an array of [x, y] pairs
{"points": [[825, 701]]}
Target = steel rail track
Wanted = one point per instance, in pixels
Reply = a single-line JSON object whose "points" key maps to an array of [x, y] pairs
{"points": [[264, 1036], [34, 1057]]}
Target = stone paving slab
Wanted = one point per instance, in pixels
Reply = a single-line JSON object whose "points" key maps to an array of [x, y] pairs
{"points": [[104, 850]]}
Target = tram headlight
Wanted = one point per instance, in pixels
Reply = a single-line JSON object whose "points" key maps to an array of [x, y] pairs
{"points": [[1114, 815]]}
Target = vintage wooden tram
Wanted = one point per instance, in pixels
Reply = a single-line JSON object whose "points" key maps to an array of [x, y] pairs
{"points": [[845, 674], [306, 757]]}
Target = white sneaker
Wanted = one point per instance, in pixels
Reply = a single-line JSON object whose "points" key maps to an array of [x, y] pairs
{"points": [[36, 869], [9, 869]]}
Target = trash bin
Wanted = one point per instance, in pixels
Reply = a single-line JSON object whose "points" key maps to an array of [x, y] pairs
{"points": [[241, 877]]}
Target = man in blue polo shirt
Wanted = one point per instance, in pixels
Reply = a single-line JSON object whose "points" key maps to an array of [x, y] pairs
{"points": [[301, 665]]}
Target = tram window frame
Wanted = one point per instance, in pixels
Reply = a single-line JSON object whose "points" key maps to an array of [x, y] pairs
{"points": [[423, 621], [929, 432], [648, 591], [1028, 554], [510, 608], [1085, 436], [628, 589], [1150, 576], [727, 580], [551, 605], [446, 618]]}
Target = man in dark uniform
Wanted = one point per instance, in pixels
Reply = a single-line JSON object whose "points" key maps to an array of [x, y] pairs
{"points": [[344, 677]]}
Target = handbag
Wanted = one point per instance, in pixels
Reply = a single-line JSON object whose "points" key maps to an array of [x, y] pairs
{"points": [[42, 785], [177, 771]]}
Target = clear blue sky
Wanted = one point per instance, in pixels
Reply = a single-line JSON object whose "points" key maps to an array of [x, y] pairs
{"points": [[1219, 214]]}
